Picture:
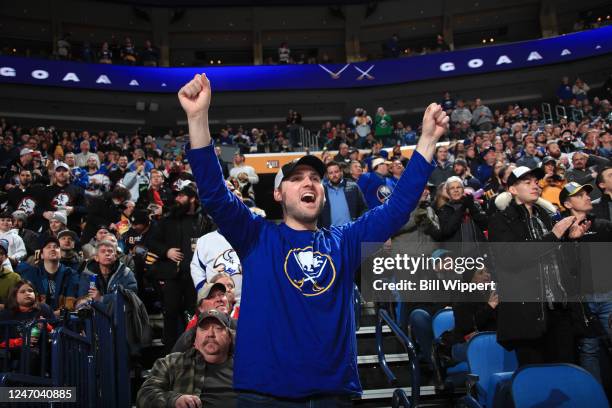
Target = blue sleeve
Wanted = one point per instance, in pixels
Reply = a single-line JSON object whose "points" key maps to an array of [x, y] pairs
{"points": [[235, 221], [380, 223]]}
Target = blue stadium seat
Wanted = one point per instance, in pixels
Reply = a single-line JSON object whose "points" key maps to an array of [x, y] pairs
{"points": [[493, 365], [448, 377], [556, 385], [442, 321]]}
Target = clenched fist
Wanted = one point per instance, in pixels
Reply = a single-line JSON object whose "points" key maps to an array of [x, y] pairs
{"points": [[195, 96], [435, 122]]}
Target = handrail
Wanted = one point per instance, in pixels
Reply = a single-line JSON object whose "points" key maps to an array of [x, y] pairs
{"points": [[400, 398]]}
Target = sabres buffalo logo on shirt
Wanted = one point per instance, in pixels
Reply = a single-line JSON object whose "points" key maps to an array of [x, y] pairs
{"points": [[228, 262], [311, 272], [383, 193], [60, 200], [27, 205]]}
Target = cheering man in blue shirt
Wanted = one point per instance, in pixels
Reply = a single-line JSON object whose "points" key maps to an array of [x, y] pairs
{"points": [[296, 336]]}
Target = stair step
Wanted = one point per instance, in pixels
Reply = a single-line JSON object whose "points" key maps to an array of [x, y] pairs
{"points": [[383, 393], [371, 330], [373, 358]]}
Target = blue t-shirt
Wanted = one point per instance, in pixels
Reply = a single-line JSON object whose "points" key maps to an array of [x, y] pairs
{"points": [[296, 335]]}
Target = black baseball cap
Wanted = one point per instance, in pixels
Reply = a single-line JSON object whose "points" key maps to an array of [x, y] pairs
{"points": [[287, 169], [48, 241], [520, 173]]}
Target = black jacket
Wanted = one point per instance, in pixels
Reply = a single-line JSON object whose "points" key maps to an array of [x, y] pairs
{"points": [[101, 211], [462, 222], [601, 207], [517, 267], [181, 232], [354, 199]]}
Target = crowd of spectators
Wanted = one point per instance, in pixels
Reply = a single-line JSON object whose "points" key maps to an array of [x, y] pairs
{"points": [[108, 52], [125, 210]]}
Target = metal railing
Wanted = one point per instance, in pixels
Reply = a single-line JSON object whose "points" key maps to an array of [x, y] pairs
{"points": [[400, 398]]}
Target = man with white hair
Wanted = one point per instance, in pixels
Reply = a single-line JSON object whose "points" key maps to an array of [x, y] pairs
{"points": [[81, 158]]}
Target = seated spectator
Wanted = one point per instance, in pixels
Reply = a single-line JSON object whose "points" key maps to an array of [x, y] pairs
{"points": [[109, 273], [29, 237], [16, 248], [201, 376], [8, 278], [83, 157], [580, 89], [375, 185], [128, 52], [213, 295], [56, 283], [552, 183], [243, 172], [602, 208]]}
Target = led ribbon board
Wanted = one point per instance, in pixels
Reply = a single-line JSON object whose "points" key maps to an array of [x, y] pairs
{"points": [[525, 54]]}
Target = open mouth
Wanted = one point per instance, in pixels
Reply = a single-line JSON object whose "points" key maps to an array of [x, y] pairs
{"points": [[308, 198]]}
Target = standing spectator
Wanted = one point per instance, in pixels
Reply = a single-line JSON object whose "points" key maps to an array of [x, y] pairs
{"points": [[484, 171], [174, 243], [79, 174], [355, 170], [25, 197], [64, 47], [461, 114], [529, 157], [70, 257], [375, 185], [602, 207], [128, 52], [580, 90], [284, 54], [8, 151], [384, 127], [120, 170], [343, 155], [540, 328], [83, 157], [63, 196], [344, 201], [56, 283], [362, 122], [444, 167], [105, 210], [157, 193], [564, 91], [222, 163], [391, 48], [448, 103], [462, 170], [16, 248], [105, 56], [149, 55], [243, 172], [482, 117], [109, 271], [24, 161], [199, 377]]}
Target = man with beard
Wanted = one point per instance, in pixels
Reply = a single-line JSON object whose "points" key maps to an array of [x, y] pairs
{"points": [[174, 243], [63, 196], [304, 349], [344, 201], [25, 197], [70, 256], [119, 171], [581, 174], [201, 376], [24, 161], [79, 174]]}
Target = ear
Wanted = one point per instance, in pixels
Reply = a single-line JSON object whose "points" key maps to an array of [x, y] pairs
{"points": [[278, 196]]}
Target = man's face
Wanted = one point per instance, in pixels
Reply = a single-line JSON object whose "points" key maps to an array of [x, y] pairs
{"points": [[607, 181], [85, 147], [18, 223], [229, 288], [238, 159], [6, 224], [530, 148], [442, 154], [55, 226], [62, 175], [122, 162], [334, 174], [51, 252], [92, 163], [217, 299], [182, 199], [302, 195], [212, 339], [553, 150], [25, 178], [344, 149], [382, 169], [156, 180], [356, 170], [66, 243], [580, 202], [106, 255], [70, 160], [579, 161], [101, 234], [526, 190], [459, 169], [397, 168]]}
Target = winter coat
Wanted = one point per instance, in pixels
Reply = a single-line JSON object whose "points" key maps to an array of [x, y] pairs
{"points": [[121, 276], [66, 283]]}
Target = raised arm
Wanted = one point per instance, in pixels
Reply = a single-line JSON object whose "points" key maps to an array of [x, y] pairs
{"points": [[195, 100], [379, 224], [235, 221]]}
